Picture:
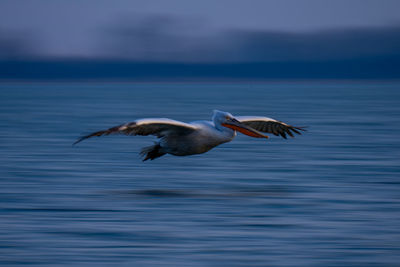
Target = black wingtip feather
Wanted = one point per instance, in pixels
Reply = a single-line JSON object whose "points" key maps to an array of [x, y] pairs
{"points": [[295, 131], [79, 140], [99, 133]]}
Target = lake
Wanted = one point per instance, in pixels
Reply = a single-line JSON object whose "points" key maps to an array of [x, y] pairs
{"points": [[330, 197]]}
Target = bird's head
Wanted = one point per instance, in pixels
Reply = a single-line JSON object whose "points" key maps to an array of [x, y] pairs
{"points": [[220, 117], [225, 120]]}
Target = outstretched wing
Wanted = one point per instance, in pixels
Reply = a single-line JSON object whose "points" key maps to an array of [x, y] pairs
{"points": [[268, 125], [158, 127]]}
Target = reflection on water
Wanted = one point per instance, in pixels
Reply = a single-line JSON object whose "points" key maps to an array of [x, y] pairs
{"points": [[244, 192], [328, 197]]}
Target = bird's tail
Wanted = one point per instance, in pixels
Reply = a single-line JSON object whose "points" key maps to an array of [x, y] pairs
{"points": [[151, 152]]}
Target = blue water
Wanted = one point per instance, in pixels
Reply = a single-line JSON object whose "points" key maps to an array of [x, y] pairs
{"points": [[330, 197]]}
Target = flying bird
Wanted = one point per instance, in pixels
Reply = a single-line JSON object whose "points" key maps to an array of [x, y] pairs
{"points": [[183, 139]]}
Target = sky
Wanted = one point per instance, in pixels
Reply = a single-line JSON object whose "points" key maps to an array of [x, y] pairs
{"points": [[85, 28]]}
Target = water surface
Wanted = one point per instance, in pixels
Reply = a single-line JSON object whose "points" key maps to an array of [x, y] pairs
{"points": [[330, 197]]}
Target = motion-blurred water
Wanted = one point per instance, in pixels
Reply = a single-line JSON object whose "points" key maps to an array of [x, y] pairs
{"points": [[330, 197]]}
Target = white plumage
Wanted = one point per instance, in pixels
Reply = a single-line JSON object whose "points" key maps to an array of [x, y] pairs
{"points": [[182, 139]]}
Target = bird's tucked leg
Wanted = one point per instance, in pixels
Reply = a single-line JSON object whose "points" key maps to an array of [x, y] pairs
{"points": [[151, 152]]}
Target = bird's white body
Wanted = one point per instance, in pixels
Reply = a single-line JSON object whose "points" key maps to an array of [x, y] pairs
{"points": [[182, 139], [205, 137]]}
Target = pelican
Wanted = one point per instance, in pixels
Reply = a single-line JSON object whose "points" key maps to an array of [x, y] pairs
{"points": [[182, 139]]}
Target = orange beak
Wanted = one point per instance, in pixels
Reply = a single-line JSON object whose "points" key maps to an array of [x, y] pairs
{"points": [[244, 129]]}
